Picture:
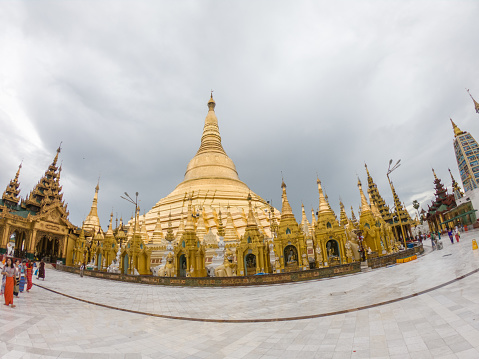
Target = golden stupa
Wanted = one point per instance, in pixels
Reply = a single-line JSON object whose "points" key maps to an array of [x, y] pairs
{"points": [[212, 184]]}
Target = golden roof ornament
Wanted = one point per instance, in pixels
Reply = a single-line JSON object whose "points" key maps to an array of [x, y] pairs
{"points": [[476, 104], [323, 204], [221, 230], [286, 211], [364, 202], [456, 129]]}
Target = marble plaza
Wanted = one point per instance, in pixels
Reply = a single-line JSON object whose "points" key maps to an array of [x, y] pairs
{"points": [[438, 323]]}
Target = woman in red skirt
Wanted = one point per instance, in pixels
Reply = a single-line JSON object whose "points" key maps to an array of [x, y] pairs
{"points": [[29, 275], [9, 272]]}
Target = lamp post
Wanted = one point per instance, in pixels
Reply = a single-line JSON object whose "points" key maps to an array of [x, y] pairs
{"points": [[135, 202], [396, 205]]}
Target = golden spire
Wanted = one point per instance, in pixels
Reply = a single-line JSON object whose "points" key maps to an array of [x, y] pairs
{"points": [[110, 226], [158, 232], [456, 129], [374, 209], [251, 220], [221, 229], [169, 232], [323, 204], [231, 233], [286, 211], [353, 218], [304, 219], [190, 225], [11, 192], [455, 187], [343, 218], [211, 139], [364, 202], [56, 156], [92, 222], [476, 105], [313, 218], [435, 177]]}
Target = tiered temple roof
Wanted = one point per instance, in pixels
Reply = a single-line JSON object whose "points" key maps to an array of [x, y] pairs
{"points": [[377, 199], [47, 191], [10, 196]]}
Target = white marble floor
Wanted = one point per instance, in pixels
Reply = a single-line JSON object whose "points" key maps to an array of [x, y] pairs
{"points": [[440, 323]]}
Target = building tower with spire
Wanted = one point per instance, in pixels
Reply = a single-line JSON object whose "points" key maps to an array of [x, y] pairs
{"points": [[467, 156], [442, 204]]}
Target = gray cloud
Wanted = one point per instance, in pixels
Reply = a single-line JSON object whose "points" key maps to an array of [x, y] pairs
{"points": [[301, 88]]}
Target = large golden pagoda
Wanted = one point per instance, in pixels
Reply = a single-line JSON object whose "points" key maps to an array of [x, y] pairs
{"points": [[213, 185]]}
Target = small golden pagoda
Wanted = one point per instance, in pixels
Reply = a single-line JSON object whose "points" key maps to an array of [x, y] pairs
{"points": [[369, 225], [136, 256], [289, 245], [252, 252], [330, 237], [189, 253], [109, 246]]}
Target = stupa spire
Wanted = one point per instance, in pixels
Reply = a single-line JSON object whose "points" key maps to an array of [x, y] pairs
{"points": [[251, 222], [286, 210], [10, 196], [476, 104], [221, 229], [364, 202], [190, 225], [211, 139], [456, 129], [353, 218], [323, 204], [343, 218], [92, 221], [456, 188], [313, 218]]}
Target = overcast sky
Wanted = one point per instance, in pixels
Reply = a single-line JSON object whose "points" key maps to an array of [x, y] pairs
{"points": [[302, 88]]}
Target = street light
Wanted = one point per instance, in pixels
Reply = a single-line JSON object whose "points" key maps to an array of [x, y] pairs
{"points": [[135, 202], [396, 205]]}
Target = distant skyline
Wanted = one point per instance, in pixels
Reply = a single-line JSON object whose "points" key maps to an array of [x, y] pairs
{"points": [[302, 89]]}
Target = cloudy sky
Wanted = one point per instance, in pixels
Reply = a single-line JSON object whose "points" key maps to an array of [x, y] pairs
{"points": [[302, 88]]}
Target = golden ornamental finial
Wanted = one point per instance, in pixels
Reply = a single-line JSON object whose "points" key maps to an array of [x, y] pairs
{"points": [[211, 102], [434, 172], [476, 104], [456, 129]]}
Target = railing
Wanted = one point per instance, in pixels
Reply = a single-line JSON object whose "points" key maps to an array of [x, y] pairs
{"points": [[391, 258], [224, 281]]}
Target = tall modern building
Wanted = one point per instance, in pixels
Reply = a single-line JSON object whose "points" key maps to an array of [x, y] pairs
{"points": [[467, 156]]}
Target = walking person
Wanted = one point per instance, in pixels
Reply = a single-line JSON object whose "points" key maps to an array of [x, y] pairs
{"points": [[449, 233], [2, 265], [9, 273], [41, 270], [433, 241], [29, 275], [457, 234], [16, 287], [23, 272], [82, 268]]}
